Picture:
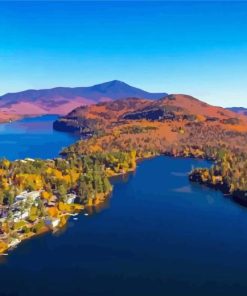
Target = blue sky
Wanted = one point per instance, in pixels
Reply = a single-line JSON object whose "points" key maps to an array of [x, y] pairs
{"points": [[197, 48]]}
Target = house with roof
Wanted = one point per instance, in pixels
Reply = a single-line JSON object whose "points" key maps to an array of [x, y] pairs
{"points": [[70, 198], [20, 215], [27, 196], [52, 222]]}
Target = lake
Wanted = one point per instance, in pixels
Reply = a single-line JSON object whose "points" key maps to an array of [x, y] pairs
{"points": [[156, 235], [33, 137]]}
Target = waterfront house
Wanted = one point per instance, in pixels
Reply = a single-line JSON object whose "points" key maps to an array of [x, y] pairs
{"points": [[13, 242], [52, 222], [29, 159], [70, 198]]}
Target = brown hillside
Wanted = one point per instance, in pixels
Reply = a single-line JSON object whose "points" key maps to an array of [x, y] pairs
{"points": [[175, 108]]}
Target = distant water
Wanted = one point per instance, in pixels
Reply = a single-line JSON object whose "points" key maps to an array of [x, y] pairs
{"points": [[157, 235], [33, 137]]}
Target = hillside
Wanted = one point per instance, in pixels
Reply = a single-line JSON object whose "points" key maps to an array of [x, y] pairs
{"points": [[61, 100], [177, 125], [175, 108]]}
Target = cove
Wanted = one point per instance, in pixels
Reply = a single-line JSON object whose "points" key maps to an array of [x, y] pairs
{"points": [[157, 234], [33, 137]]}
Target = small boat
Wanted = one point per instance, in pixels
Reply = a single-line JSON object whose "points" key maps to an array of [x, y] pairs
{"points": [[75, 218], [4, 254], [86, 214], [73, 215]]}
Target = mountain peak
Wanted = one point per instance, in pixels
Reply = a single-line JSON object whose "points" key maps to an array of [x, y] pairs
{"points": [[116, 82], [110, 84], [61, 100]]}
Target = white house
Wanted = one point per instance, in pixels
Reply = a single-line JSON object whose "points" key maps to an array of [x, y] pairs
{"points": [[22, 196], [25, 195], [14, 242], [70, 198], [18, 215], [29, 159], [52, 222], [34, 195]]}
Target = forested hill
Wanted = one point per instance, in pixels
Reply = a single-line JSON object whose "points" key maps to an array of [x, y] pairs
{"points": [[178, 108], [176, 125]]}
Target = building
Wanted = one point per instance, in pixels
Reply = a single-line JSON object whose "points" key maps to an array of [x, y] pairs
{"points": [[22, 196], [27, 196], [34, 195], [52, 222], [14, 242], [18, 215], [29, 159], [70, 198]]}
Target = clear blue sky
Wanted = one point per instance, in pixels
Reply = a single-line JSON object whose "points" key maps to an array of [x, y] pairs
{"points": [[197, 48]]}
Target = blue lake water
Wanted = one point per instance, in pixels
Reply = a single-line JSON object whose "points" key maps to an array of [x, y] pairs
{"points": [[156, 235], [33, 137]]}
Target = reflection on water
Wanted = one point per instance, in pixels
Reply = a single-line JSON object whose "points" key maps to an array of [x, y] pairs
{"points": [[89, 211]]}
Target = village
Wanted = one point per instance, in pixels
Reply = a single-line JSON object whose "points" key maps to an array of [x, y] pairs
{"points": [[33, 213], [37, 196]]}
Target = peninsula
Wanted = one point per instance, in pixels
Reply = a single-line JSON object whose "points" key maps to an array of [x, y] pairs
{"points": [[40, 195]]}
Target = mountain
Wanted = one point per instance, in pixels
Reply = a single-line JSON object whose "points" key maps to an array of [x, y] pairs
{"points": [[61, 100], [239, 110], [180, 109]]}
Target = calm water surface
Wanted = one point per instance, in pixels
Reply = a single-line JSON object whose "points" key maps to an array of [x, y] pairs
{"points": [[157, 235], [33, 137]]}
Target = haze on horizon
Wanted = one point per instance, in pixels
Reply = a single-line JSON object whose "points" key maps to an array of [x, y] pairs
{"points": [[196, 48]]}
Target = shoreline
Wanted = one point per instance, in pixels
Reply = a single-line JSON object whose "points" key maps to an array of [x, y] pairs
{"points": [[97, 200], [102, 199], [20, 117]]}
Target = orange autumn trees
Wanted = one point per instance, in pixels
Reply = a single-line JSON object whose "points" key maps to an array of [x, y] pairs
{"points": [[54, 177]]}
